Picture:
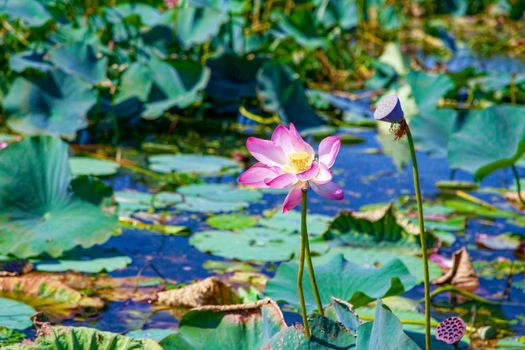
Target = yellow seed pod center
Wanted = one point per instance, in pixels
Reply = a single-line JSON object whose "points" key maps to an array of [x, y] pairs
{"points": [[298, 162]]}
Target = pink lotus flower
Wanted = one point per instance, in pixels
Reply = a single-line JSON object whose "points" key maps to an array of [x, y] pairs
{"points": [[287, 161]]}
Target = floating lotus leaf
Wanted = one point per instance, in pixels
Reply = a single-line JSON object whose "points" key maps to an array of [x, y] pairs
{"points": [[343, 280], [32, 12], [191, 163], [79, 59], [254, 243], [56, 104], [92, 166], [83, 338], [283, 93], [216, 198], [15, 315], [489, 139], [291, 222], [84, 260], [232, 221], [39, 213]]}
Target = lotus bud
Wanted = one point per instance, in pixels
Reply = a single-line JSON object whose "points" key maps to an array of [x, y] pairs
{"points": [[389, 110], [451, 330]]}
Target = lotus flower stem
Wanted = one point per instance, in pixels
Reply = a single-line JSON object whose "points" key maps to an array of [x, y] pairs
{"points": [[422, 236], [304, 234], [300, 272], [518, 184]]}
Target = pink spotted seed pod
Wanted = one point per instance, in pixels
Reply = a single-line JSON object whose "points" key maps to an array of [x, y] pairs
{"points": [[451, 330]]}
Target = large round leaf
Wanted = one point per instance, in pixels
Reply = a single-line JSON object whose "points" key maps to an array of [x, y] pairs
{"points": [[56, 104], [38, 210], [489, 139], [341, 279], [428, 88]]}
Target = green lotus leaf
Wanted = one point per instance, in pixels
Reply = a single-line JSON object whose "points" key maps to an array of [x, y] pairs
{"points": [[39, 212], [291, 222], [195, 25], [302, 27], [232, 221], [156, 334], [283, 93], [15, 314], [432, 130], [428, 89], [253, 243], [384, 333], [135, 82], [489, 139], [215, 198], [191, 163], [29, 59], [380, 256], [175, 84], [92, 166], [228, 84], [343, 280], [380, 227], [56, 104], [79, 59], [32, 12], [83, 338], [240, 327], [148, 15], [342, 13], [82, 260]]}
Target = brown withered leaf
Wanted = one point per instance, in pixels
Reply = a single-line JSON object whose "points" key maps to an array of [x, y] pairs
{"points": [[462, 274], [47, 293], [210, 291]]}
